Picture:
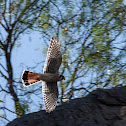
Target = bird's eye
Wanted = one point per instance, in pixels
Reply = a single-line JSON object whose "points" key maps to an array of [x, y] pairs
{"points": [[60, 76]]}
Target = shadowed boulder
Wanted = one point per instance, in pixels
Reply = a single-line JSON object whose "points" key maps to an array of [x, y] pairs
{"points": [[102, 107]]}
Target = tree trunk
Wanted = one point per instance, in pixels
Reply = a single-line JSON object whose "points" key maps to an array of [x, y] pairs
{"points": [[18, 109]]}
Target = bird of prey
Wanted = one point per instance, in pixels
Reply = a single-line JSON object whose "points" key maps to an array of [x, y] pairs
{"points": [[49, 77]]}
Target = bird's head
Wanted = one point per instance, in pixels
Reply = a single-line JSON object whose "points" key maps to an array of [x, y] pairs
{"points": [[61, 77]]}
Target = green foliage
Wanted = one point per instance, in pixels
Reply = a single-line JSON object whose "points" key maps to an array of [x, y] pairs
{"points": [[1, 101], [19, 110]]}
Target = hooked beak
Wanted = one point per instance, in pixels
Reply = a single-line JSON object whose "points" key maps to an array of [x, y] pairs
{"points": [[63, 78]]}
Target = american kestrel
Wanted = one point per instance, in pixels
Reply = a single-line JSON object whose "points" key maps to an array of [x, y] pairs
{"points": [[49, 77]]}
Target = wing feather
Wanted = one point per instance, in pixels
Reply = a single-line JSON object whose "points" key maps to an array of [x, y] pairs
{"points": [[54, 57], [50, 95]]}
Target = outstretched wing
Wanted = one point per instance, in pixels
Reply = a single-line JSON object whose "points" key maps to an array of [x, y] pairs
{"points": [[50, 95], [54, 57]]}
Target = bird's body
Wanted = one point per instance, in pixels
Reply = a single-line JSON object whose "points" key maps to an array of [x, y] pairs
{"points": [[49, 77]]}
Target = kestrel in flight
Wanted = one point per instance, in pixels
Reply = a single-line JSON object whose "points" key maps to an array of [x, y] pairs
{"points": [[49, 77]]}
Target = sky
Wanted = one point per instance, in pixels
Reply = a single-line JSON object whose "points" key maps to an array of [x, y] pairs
{"points": [[29, 52]]}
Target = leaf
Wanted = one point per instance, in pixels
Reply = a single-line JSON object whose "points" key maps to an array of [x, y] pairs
{"points": [[1, 101]]}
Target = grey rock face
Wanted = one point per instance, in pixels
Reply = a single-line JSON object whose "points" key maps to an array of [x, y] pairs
{"points": [[102, 107]]}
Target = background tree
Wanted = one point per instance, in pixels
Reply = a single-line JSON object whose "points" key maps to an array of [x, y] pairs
{"points": [[92, 35], [16, 17]]}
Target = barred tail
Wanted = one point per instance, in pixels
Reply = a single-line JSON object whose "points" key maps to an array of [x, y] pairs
{"points": [[29, 78]]}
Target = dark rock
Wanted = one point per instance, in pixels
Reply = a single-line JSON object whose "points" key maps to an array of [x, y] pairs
{"points": [[102, 107]]}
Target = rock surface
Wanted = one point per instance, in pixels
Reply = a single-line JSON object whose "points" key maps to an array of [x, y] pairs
{"points": [[102, 107]]}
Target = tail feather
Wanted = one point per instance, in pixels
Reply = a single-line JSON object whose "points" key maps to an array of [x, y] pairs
{"points": [[29, 78]]}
